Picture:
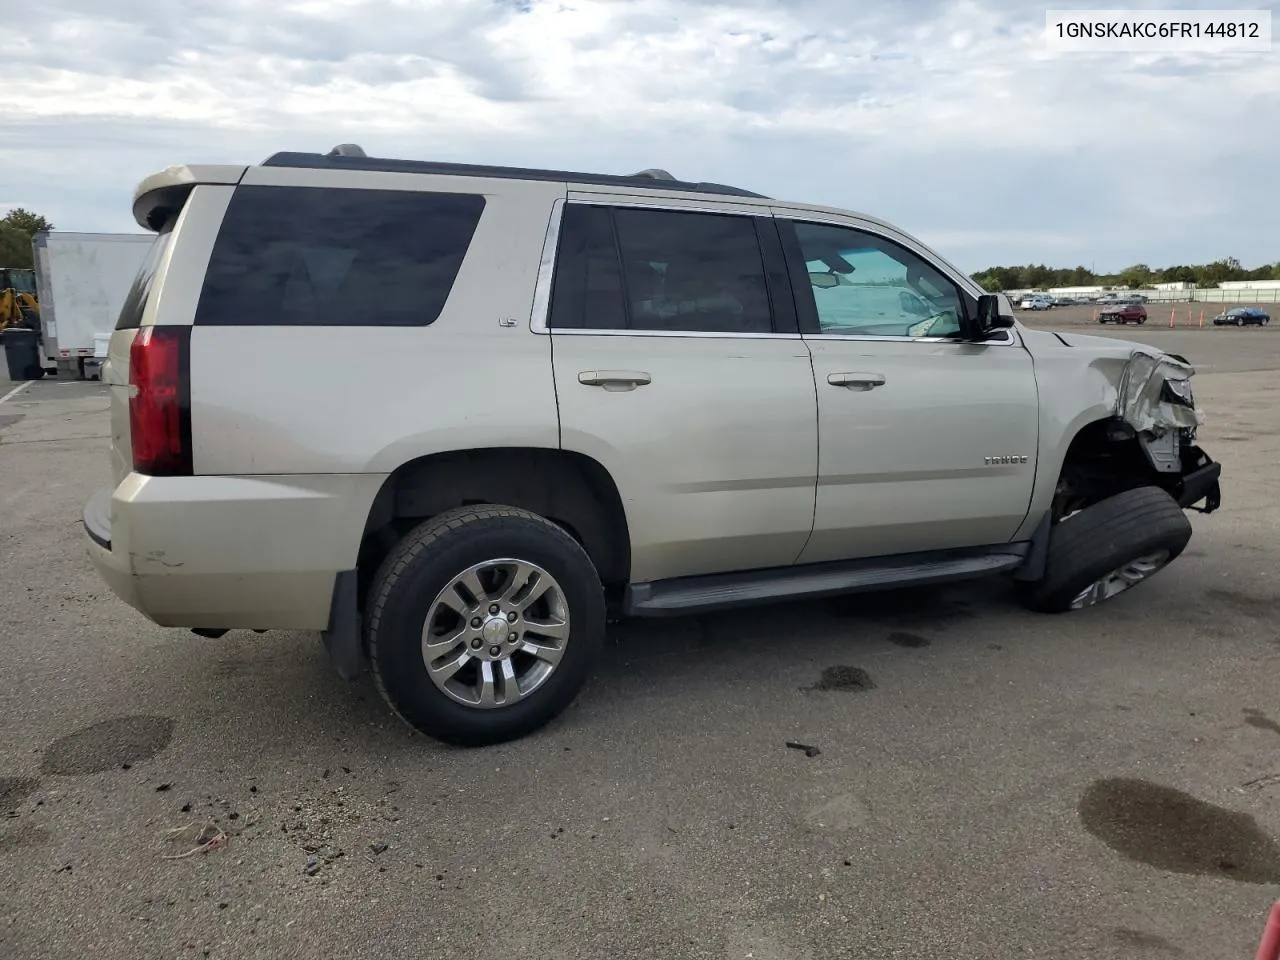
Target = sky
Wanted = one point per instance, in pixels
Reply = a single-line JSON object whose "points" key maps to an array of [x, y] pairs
{"points": [[952, 120]]}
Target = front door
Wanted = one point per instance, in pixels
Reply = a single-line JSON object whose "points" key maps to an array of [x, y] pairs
{"points": [[927, 442], [679, 369]]}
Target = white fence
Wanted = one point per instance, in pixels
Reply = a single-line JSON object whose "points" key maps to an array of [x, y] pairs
{"points": [[1211, 296]]}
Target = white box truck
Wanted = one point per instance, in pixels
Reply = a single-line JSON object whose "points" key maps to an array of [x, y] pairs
{"points": [[82, 279]]}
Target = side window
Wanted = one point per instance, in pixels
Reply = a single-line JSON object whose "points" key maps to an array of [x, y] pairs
{"points": [[587, 291], [310, 256], [135, 301], [866, 285], [699, 272], [659, 270]]}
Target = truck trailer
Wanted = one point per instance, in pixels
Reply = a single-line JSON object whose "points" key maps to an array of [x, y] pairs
{"points": [[83, 279]]}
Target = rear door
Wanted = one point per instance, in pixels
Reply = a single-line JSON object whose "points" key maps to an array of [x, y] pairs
{"points": [[679, 368], [928, 441]]}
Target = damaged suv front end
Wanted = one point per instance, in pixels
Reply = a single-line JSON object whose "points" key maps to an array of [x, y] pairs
{"points": [[1155, 400]]}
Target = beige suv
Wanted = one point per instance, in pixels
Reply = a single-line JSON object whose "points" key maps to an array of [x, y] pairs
{"points": [[456, 417]]}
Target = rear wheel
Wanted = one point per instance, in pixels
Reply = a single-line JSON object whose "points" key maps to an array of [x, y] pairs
{"points": [[1106, 549], [484, 624]]}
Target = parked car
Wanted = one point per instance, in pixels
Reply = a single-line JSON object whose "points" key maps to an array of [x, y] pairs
{"points": [[523, 402], [1242, 317], [1123, 313], [1036, 303]]}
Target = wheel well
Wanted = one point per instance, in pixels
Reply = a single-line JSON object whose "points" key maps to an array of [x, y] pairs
{"points": [[1105, 458], [569, 489]]}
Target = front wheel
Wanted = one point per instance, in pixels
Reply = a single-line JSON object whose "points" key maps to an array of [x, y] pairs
{"points": [[1107, 548], [484, 623]]}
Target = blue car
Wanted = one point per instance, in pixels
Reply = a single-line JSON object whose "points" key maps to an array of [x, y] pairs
{"points": [[1241, 317]]}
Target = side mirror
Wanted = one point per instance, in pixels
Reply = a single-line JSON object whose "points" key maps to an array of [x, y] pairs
{"points": [[994, 313]]}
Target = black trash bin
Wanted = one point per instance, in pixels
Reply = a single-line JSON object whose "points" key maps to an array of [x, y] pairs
{"points": [[22, 353]]}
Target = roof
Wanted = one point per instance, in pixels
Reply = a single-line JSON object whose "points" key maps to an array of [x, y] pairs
{"points": [[349, 157]]}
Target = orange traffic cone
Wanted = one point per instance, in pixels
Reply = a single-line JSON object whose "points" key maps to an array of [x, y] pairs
{"points": [[1171, 315]]}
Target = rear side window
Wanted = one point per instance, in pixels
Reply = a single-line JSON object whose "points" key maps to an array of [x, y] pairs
{"points": [[135, 301], [659, 270], [312, 256], [588, 284]]}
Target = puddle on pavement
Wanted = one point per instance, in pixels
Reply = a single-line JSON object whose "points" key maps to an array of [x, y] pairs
{"points": [[107, 744], [1256, 718], [900, 638], [13, 790], [1171, 830], [843, 678]]}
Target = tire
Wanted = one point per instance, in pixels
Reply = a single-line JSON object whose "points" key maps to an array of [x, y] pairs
{"points": [[412, 582], [1103, 539]]}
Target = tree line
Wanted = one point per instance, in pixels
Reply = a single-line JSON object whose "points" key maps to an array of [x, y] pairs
{"points": [[17, 227], [1138, 276]]}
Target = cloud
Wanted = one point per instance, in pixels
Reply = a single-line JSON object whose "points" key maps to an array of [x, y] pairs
{"points": [[950, 118]]}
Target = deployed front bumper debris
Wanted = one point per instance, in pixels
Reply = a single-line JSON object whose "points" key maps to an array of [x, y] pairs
{"points": [[1155, 398]]}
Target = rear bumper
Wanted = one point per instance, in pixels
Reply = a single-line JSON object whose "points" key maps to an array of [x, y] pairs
{"points": [[229, 552]]}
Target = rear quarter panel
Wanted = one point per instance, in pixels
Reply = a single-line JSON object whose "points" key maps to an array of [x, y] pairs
{"points": [[366, 399]]}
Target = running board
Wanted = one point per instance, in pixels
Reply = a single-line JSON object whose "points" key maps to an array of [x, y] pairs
{"points": [[686, 595]]}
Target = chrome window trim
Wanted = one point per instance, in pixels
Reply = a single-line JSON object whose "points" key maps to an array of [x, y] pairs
{"points": [[540, 313], [704, 334]]}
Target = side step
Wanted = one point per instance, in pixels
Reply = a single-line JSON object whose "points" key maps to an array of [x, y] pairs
{"points": [[687, 595]]}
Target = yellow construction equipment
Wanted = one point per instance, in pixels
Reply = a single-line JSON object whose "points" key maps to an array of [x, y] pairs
{"points": [[18, 309]]}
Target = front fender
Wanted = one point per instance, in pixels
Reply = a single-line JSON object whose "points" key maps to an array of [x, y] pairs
{"points": [[1085, 379]]}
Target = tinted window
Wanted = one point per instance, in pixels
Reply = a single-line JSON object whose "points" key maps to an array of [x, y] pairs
{"points": [[588, 286], [863, 284], [693, 271], [315, 256], [688, 272], [135, 301]]}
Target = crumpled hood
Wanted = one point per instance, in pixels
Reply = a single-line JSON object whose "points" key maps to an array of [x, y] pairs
{"points": [[1137, 375], [1103, 344]]}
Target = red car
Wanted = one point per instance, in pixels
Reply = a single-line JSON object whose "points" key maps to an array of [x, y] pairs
{"points": [[1123, 313]]}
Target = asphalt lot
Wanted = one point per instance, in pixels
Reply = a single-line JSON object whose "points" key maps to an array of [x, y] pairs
{"points": [[998, 784]]}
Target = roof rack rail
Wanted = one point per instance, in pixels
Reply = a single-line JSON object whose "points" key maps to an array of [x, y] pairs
{"points": [[347, 150], [349, 156]]}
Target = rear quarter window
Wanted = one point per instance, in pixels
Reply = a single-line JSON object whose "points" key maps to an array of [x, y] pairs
{"points": [[312, 256], [135, 301]]}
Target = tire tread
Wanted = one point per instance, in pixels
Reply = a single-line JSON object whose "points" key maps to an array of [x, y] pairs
{"points": [[419, 541], [1124, 525]]}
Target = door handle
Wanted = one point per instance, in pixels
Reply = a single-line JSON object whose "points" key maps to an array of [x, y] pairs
{"points": [[863, 380], [614, 379]]}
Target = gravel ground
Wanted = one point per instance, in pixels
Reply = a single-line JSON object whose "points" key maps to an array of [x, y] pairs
{"points": [[987, 783]]}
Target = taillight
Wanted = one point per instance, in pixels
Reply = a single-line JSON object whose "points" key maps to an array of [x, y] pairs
{"points": [[160, 410]]}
